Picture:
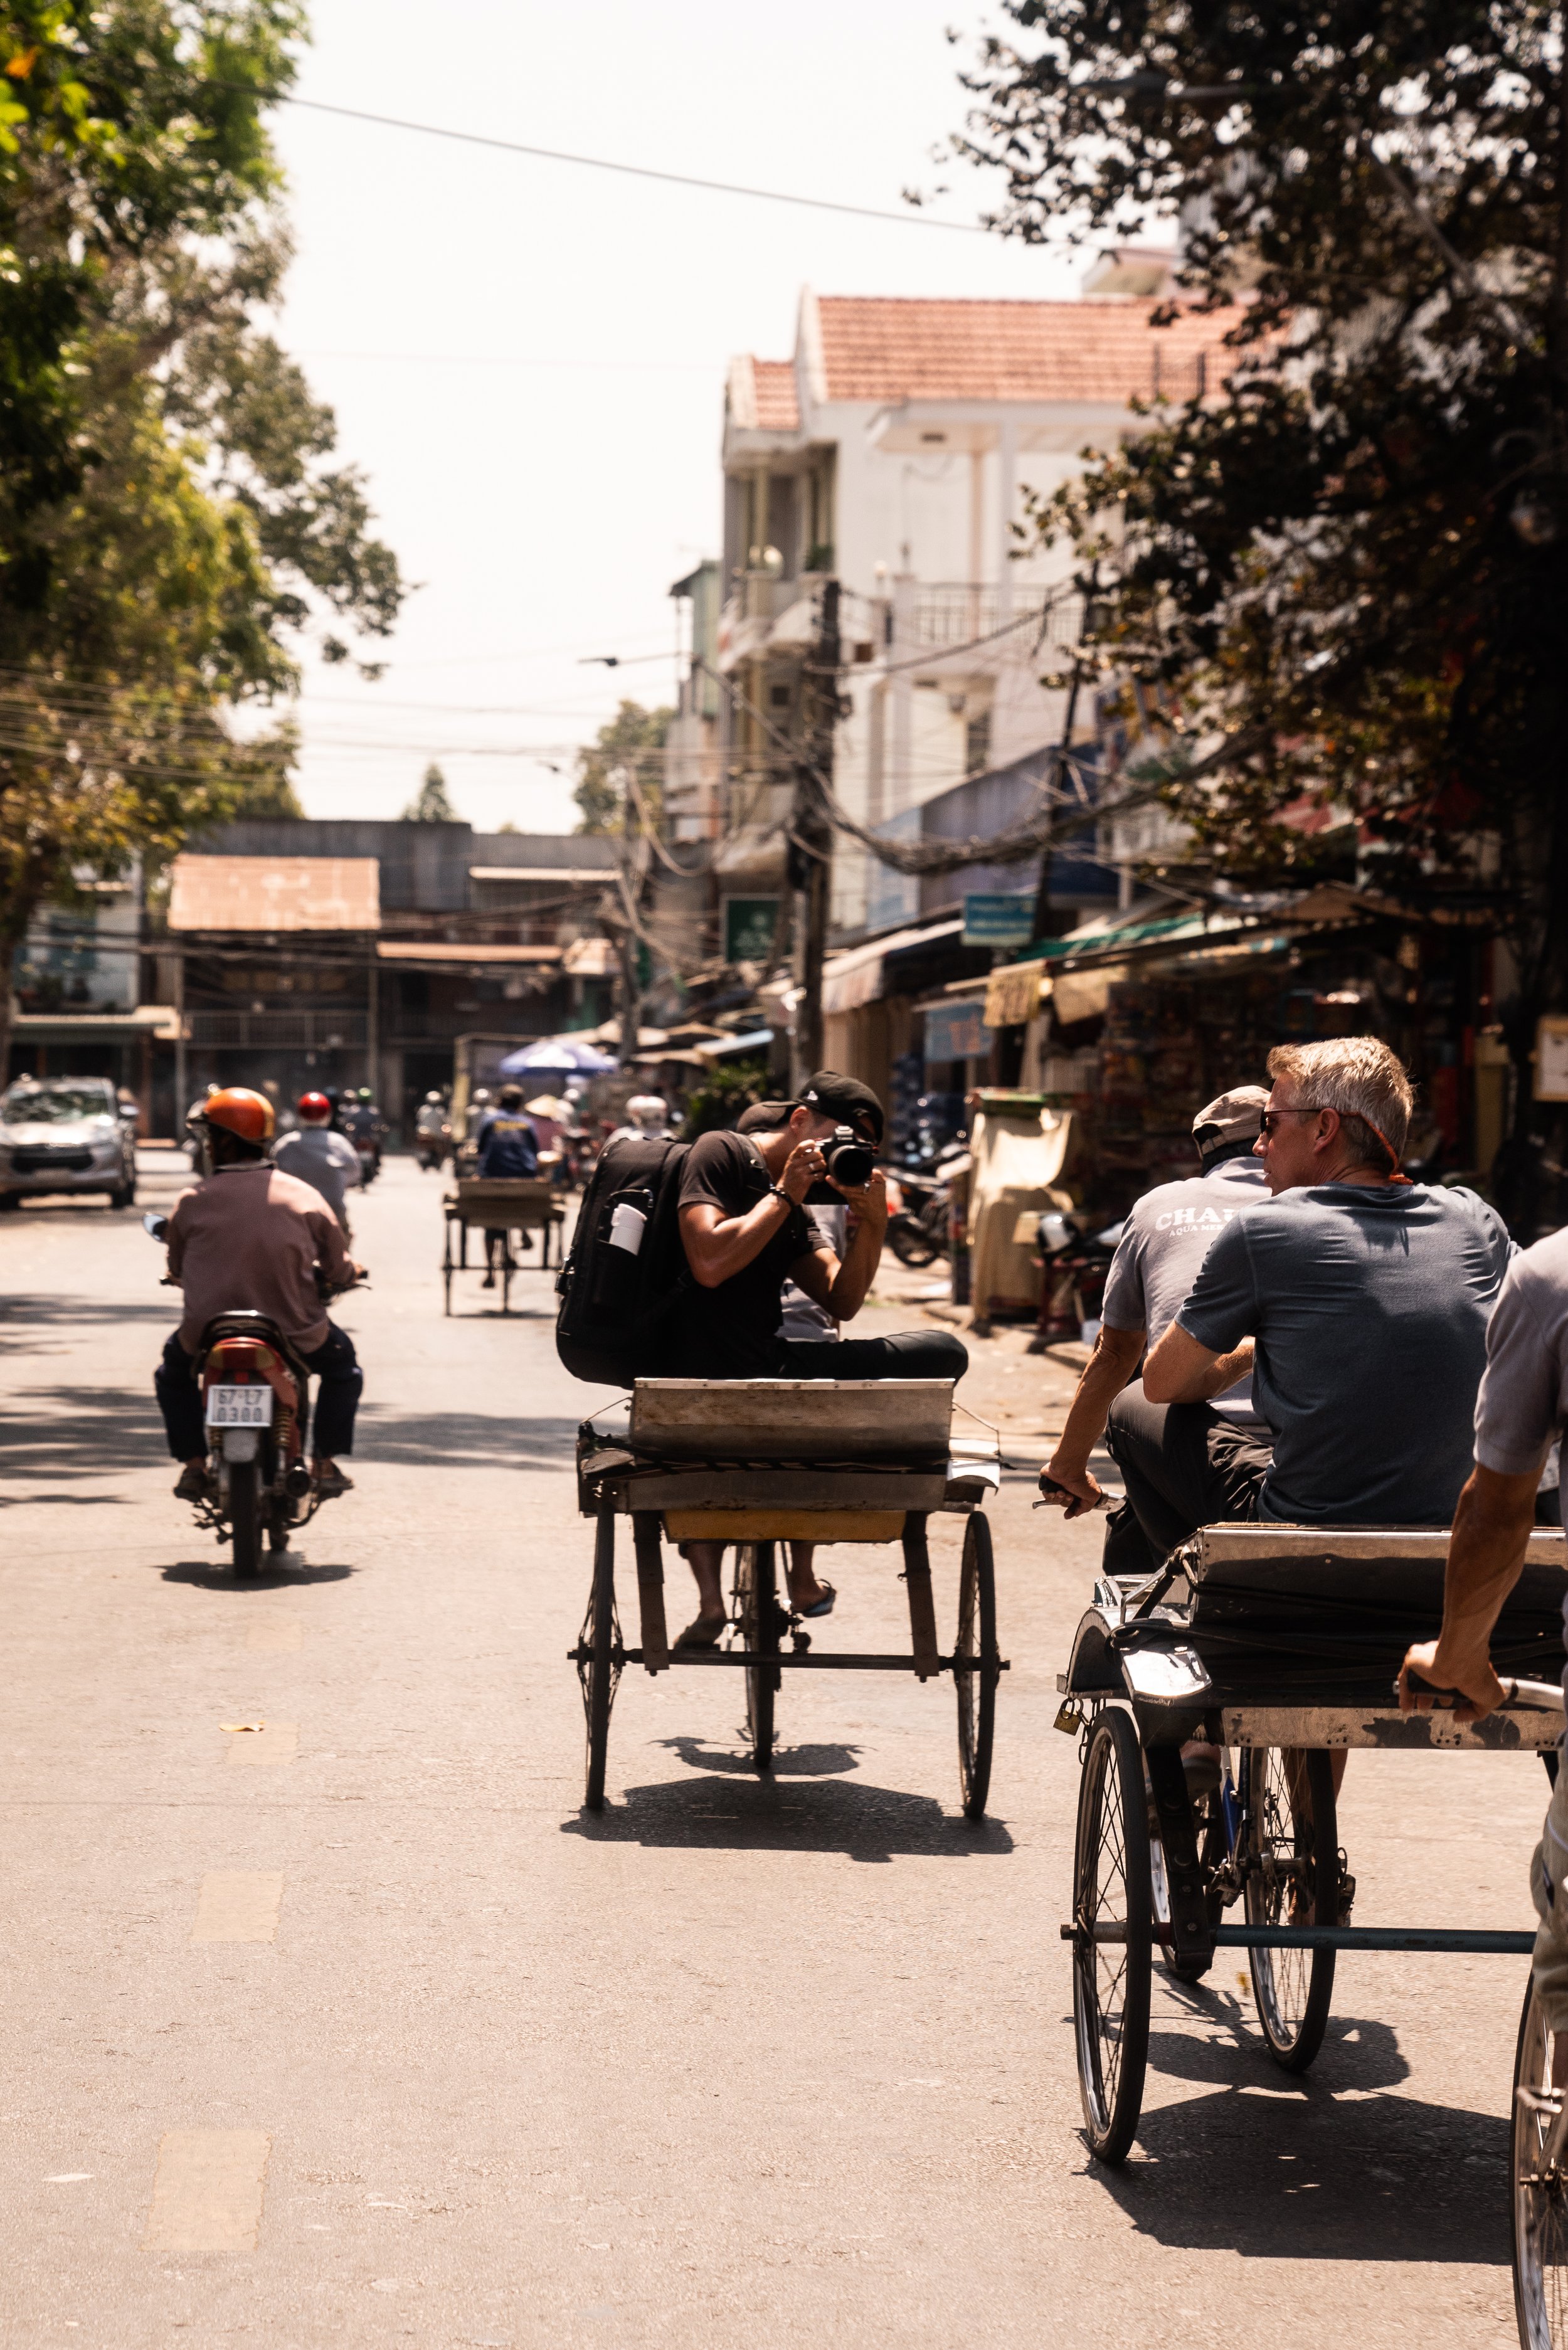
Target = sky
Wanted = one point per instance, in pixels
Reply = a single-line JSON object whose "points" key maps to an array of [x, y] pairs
{"points": [[527, 359]]}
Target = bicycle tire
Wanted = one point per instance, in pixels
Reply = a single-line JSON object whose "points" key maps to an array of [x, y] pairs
{"points": [[1111, 1981], [1290, 1837]]}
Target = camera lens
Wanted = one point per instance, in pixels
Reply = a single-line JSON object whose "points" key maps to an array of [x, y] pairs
{"points": [[847, 1162]]}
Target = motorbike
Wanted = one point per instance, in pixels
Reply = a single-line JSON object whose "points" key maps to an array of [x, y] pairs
{"points": [[919, 1210], [368, 1147], [1075, 1263], [254, 1406], [431, 1151]]}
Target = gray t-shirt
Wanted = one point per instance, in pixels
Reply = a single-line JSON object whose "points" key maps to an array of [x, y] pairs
{"points": [[1164, 1241], [1523, 1401], [327, 1161], [1368, 1304]]}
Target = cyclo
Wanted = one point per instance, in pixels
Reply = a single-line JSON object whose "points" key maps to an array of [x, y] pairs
{"points": [[759, 1462], [1279, 1644]]}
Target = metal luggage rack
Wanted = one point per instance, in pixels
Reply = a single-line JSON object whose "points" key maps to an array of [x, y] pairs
{"points": [[737, 1461], [1264, 1641]]}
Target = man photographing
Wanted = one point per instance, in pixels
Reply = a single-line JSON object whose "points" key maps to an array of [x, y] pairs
{"points": [[745, 1232]]}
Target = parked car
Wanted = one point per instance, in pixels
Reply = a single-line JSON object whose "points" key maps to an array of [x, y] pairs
{"points": [[66, 1134]]}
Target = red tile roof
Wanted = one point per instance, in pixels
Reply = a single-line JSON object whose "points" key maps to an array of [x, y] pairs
{"points": [[886, 348], [778, 409]]}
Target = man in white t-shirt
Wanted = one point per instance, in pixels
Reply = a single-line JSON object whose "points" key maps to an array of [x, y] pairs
{"points": [[1163, 1244]]}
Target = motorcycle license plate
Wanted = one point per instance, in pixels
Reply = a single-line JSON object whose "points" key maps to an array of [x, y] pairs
{"points": [[239, 1407]]}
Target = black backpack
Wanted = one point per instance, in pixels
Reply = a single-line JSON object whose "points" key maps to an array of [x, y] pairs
{"points": [[615, 1307]]}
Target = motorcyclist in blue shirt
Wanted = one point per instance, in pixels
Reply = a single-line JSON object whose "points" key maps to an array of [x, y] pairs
{"points": [[508, 1147]]}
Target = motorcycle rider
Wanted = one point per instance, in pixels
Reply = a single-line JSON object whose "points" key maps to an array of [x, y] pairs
{"points": [[329, 1163], [251, 1237], [647, 1120], [362, 1125], [432, 1129]]}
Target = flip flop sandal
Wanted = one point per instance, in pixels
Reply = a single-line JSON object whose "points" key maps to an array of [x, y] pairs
{"points": [[703, 1632], [823, 1606]]}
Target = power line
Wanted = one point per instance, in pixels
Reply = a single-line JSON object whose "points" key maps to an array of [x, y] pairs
{"points": [[598, 162]]}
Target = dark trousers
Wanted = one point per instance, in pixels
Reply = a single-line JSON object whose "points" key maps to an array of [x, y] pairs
{"points": [[1185, 1465], [337, 1369], [906, 1355]]}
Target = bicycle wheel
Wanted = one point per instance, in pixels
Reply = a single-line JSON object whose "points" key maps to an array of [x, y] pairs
{"points": [[976, 1688], [600, 1669], [1537, 2191], [757, 1613], [1111, 1980], [245, 1516], [1290, 1855]]}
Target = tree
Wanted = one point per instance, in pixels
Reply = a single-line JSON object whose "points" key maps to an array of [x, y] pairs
{"points": [[627, 745], [172, 534], [1346, 569], [432, 806]]}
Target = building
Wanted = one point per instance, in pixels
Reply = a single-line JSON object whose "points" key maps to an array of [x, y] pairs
{"points": [[307, 953], [81, 1009]]}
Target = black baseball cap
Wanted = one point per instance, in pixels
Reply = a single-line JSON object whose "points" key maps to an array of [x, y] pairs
{"points": [[845, 1099], [765, 1117]]}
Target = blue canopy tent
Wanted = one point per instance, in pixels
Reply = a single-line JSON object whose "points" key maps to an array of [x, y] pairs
{"points": [[557, 1056]]}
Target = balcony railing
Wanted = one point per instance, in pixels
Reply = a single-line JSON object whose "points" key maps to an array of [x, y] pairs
{"points": [[956, 613], [257, 1030]]}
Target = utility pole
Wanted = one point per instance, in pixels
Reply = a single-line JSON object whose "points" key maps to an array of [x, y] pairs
{"points": [[810, 843], [631, 886]]}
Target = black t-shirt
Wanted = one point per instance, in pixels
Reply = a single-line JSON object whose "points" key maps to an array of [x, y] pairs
{"points": [[731, 1332]]}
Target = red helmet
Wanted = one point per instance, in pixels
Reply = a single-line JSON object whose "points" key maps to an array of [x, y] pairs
{"points": [[242, 1112], [314, 1106]]}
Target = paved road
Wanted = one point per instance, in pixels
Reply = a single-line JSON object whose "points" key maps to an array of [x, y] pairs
{"points": [[738, 2063]]}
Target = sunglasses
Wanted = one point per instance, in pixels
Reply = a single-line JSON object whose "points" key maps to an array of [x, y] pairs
{"points": [[1272, 1117]]}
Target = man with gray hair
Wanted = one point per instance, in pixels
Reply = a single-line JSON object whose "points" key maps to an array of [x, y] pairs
{"points": [[1357, 1300]]}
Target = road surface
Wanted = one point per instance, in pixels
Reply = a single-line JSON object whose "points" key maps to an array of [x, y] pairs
{"points": [[357, 2029]]}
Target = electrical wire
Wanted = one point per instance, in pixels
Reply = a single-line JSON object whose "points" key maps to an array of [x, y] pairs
{"points": [[597, 162]]}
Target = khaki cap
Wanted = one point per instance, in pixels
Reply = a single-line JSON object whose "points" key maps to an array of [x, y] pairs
{"points": [[1235, 1117]]}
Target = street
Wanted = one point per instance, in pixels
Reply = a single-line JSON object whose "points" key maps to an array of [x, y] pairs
{"points": [[354, 2025]]}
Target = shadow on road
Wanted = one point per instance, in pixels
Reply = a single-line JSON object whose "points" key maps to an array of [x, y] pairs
{"points": [[864, 1823], [217, 1575], [789, 1762], [65, 1432], [1327, 2164]]}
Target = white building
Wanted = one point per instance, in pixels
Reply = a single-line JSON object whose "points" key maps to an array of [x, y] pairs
{"points": [[896, 450]]}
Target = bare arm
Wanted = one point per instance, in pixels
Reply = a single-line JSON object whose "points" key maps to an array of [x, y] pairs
{"points": [[1180, 1370], [1486, 1553], [719, 1246], [1106, 1374], [840, 1286]]}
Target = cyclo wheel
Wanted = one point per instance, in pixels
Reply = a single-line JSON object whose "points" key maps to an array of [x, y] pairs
{"points": [[245, 1515], [757, 1613], [1111, 1980], [1291, 1855], [599, 1678], [1537, 2191], [976, 1687]]}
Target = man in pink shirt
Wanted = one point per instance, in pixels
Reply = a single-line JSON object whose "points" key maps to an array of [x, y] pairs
{"points": [[250, 1237]]}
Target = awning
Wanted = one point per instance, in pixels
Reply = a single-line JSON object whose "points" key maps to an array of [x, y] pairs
{"points": [[274, 893], [573, 873], [160, 1021], [756, 1040], [855, 977], [453, 951]]}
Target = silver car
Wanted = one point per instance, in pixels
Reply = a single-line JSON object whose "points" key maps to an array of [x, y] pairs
{"points": [[66, 1134]]}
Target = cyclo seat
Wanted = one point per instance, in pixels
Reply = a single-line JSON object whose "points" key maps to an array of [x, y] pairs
{"points": [[246, 1322]]}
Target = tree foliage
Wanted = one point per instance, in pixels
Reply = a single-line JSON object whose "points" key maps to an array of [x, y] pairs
{"points": [[628, 745], [173, 532], [1346, 569], [432, 804]]}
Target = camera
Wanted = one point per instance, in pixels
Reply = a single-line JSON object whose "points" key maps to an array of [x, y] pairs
{"points": [[848, 1161]]}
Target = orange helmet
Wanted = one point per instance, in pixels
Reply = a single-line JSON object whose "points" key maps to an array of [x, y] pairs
{"points": [[313, 1105], [244, 1113]]}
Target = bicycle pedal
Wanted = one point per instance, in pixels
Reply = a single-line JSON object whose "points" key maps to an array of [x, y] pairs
{"points": [[800, 1642]]}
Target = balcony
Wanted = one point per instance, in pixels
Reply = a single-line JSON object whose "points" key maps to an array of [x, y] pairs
{"points": [[955, 613]]}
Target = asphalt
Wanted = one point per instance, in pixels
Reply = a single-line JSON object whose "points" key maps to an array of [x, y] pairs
{"points": [[738, 2062]]}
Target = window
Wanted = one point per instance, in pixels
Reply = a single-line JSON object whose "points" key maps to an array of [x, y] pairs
{"points": [[778, 697], [977, 744]]}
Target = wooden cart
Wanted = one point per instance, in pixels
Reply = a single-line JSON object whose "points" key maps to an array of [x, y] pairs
{"points": [[500, 1204], [754, 1462]]}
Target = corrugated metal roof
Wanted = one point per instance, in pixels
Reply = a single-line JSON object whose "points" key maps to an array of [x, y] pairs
{"points": [[274, 893]]}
